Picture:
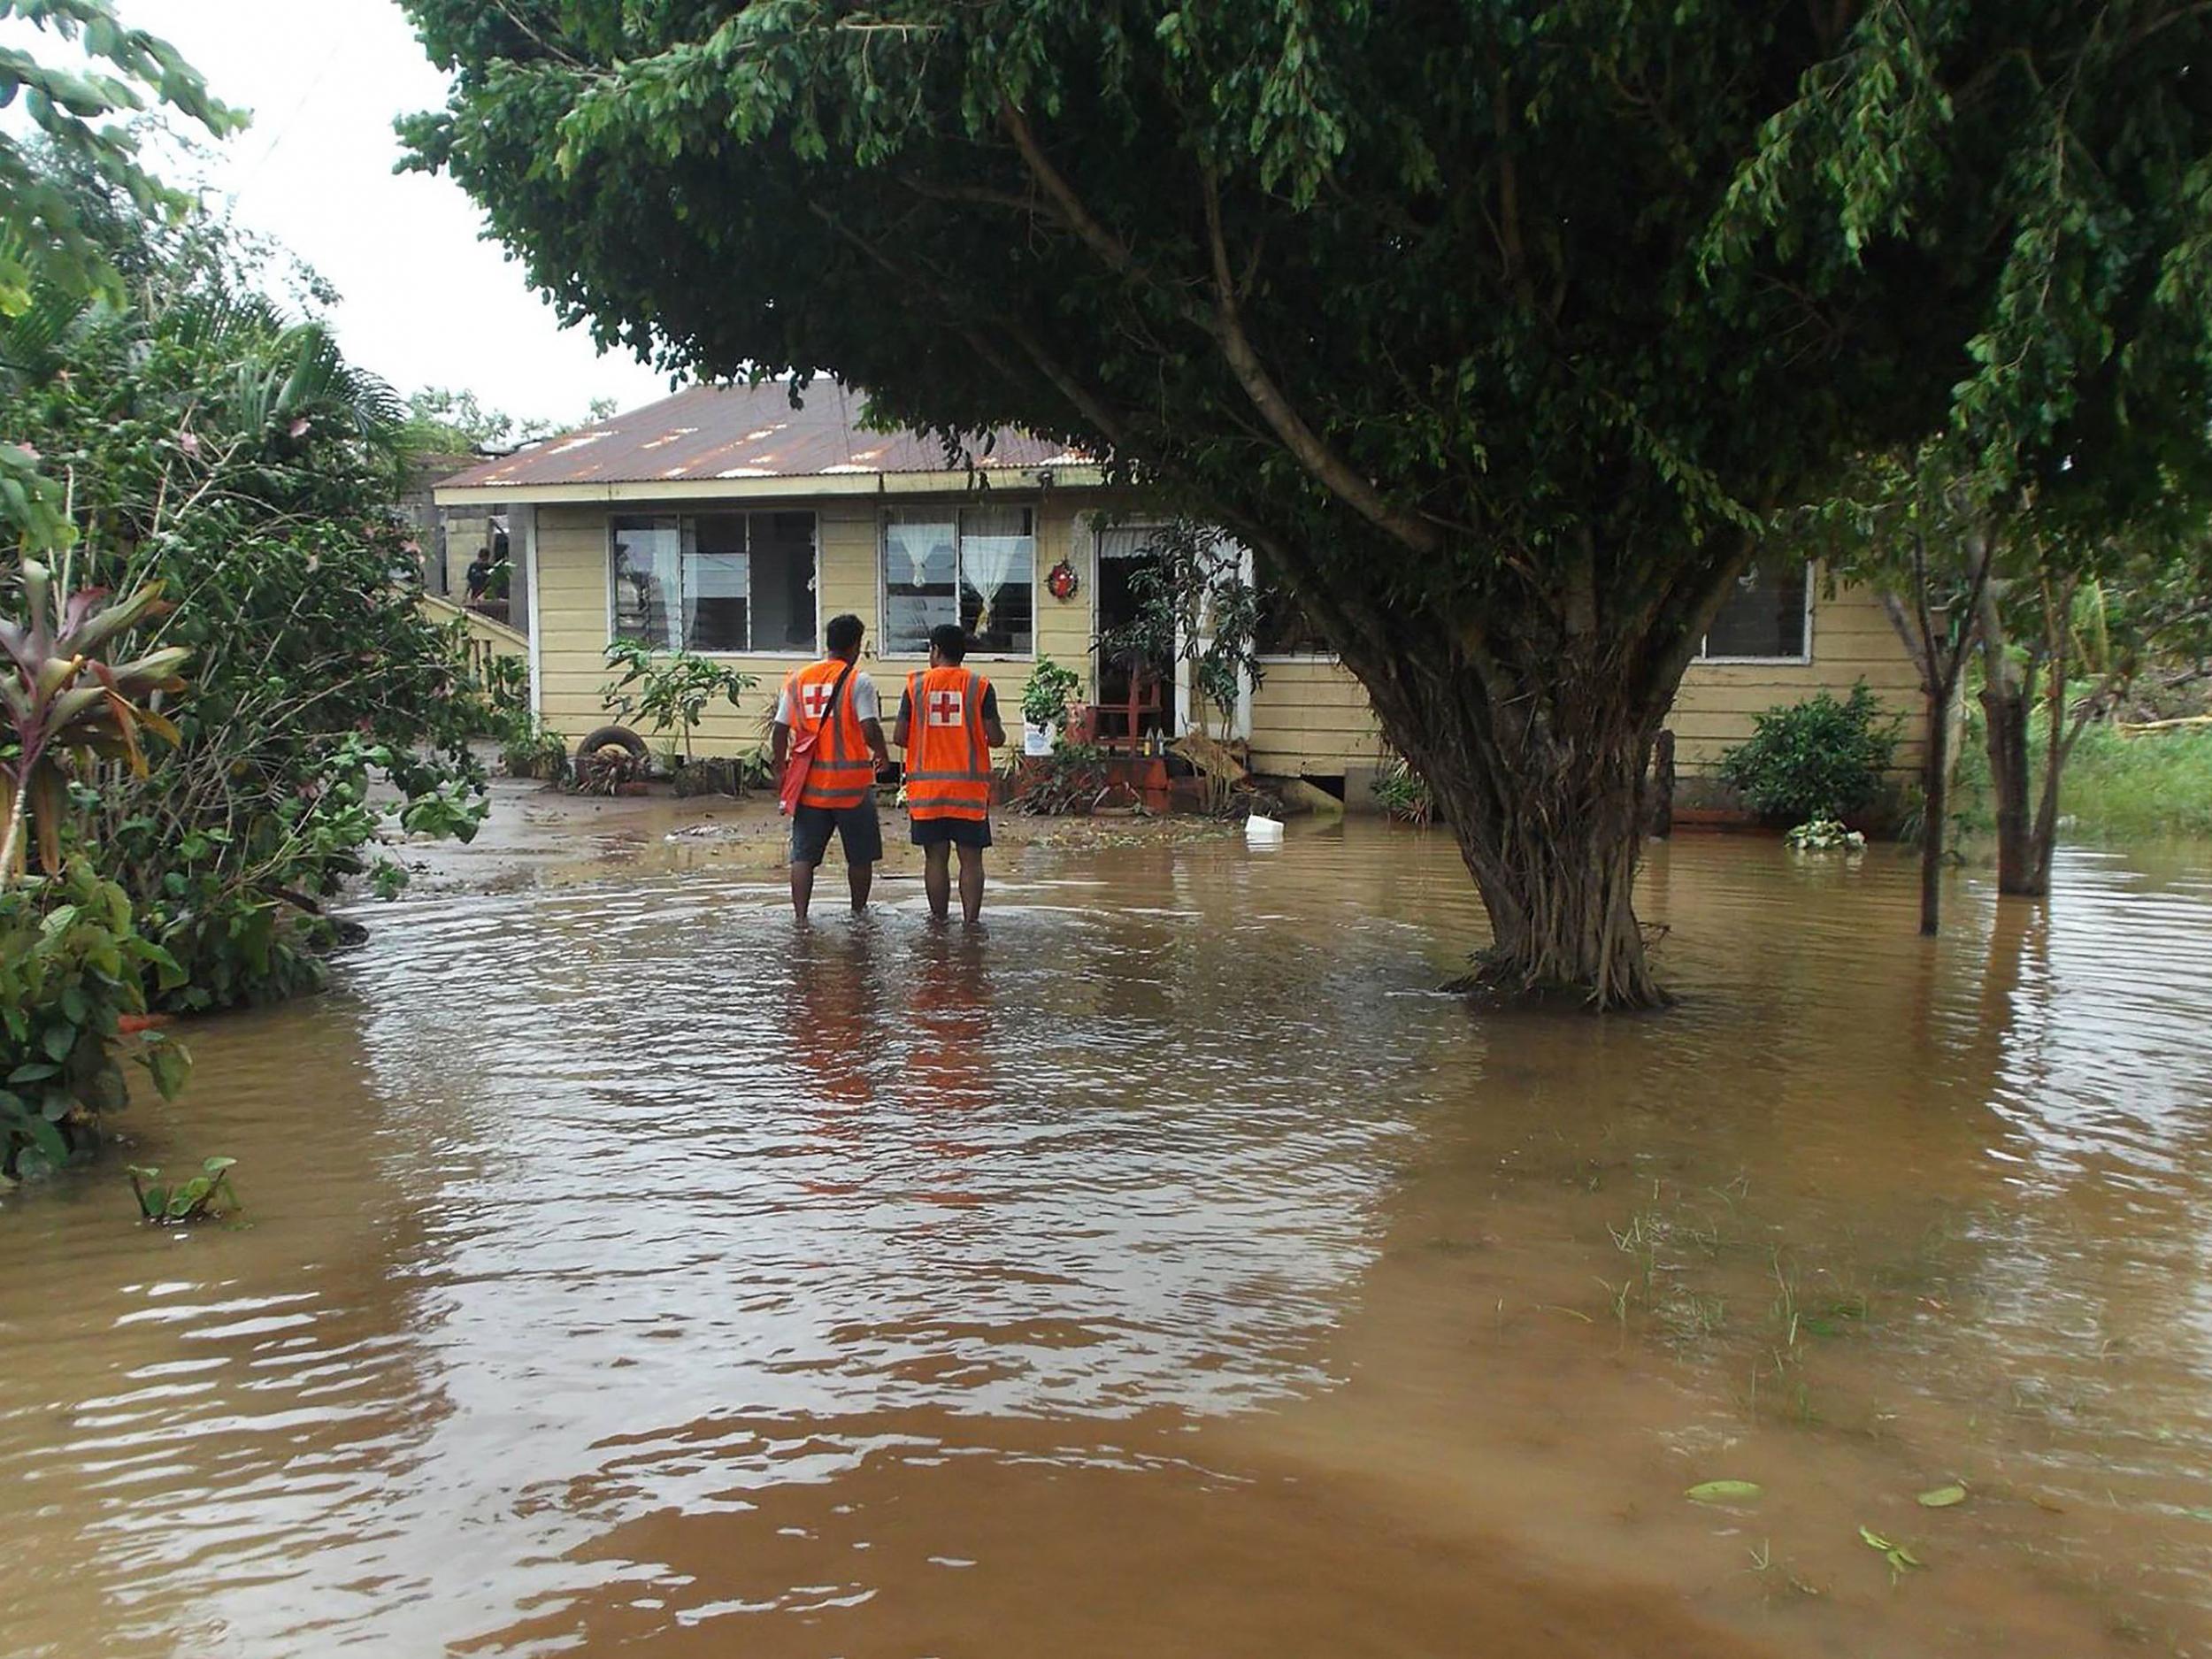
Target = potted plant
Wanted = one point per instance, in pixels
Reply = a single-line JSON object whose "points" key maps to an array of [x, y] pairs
{"points": [[1045, 706]]}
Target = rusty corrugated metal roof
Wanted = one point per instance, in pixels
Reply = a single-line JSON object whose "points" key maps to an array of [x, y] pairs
{"points": [[707, 433]]}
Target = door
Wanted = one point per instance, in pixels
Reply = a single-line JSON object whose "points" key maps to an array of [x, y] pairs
{"points": [[1131, 674]]}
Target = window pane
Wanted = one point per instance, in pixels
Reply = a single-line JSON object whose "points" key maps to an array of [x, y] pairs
{"points": [[920, 590], [1764, 612], [648, 582], [1284, 629], [998, 578], [783, 582], [717, 584]]}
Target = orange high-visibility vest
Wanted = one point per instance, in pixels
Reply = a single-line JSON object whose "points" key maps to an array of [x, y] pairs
{"points": [[948, 756], [842, 772]]}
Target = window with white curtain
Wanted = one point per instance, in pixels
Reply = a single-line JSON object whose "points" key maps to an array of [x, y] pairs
{"points": [[716, 582], [973, 566]]}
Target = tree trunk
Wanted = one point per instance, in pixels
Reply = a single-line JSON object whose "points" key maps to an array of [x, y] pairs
{"points": [[1935, 817], [2005, 711], [2058, 606], [1662, 786], [2005, 696], [1540, 777]]}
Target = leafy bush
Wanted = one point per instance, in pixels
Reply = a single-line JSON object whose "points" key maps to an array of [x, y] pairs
{"points": [[1067, 782], [535, 751], [672, 687], [72, 965], [1402, 793], [1050, 689], [217, 443], [1825, 835], [1816, 759]]}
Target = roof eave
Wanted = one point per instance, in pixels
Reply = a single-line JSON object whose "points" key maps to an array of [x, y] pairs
{"points": [[1061, 475]]}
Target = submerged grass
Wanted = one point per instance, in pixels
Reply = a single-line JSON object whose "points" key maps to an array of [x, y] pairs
{"points": [[2115, 788]]}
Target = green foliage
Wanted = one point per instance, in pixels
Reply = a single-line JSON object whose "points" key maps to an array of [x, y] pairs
{"points": [[222, 446], [58, 696], [72, 965], [1068, 782], [442, 421], [673, 689], [1050, 689], [535, 751], [1820, 758], [1822, 835], [2119, 789], [206, 1196], [1402, 793], [44, 239]]}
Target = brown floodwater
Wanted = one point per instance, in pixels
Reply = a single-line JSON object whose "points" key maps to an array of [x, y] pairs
{"points": [[1169, 1269]]}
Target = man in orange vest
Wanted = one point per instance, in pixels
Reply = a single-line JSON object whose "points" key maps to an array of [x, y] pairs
{"points": [[949, 725], [835, 705]]}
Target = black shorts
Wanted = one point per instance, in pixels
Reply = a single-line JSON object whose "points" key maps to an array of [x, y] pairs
{"points": [[952, 831], [857, 826]]}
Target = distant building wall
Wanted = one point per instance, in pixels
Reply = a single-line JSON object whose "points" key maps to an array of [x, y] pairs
{"points": [[1308, 716]]}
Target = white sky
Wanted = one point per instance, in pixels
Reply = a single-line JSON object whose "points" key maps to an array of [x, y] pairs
{"points": [[424, 302]]}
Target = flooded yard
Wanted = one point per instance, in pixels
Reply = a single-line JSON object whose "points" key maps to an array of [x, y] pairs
{"points": [[1169, 1269]]}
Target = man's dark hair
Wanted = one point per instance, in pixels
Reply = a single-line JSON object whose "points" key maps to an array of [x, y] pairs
{"points": [[951, 641], [843, 633]]}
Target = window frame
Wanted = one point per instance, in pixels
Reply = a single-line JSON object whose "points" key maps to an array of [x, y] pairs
{"points": [[1804, 659], [686, 531], [883, 652]]}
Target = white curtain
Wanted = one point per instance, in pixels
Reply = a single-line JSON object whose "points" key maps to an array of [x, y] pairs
{"points": [[651, 569], [1122, 542], [923, 543], [995, 545]]}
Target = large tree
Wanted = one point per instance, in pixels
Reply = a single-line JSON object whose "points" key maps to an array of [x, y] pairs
{"points": [[1497, 326]]}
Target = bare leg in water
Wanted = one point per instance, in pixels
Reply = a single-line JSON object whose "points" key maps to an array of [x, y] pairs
{"points": [[971, 885], [937, 881], [860, 877], [801, 888], [937, 878]]}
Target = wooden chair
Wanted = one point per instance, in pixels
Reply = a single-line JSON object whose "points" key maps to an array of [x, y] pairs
{"points": [[1119, 727]]}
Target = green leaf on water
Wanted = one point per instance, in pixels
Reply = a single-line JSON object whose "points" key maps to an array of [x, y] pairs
{"points": [[1900, 1558], [1724, 1492], [1941, 1497]]}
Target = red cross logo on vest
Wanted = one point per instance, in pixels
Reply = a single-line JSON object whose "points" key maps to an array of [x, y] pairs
{"points": [[946, 708], [817, 699]]}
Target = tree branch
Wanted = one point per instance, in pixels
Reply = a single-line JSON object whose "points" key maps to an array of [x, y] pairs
{"points": [[1316, 457], [1224, 321]]}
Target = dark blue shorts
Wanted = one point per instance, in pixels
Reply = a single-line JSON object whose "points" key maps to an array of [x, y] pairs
{"points": [[857, 826], [952, 831]]}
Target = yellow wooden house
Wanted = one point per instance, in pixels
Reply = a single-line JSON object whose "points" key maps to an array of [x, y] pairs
{"points": [[729, 522]]}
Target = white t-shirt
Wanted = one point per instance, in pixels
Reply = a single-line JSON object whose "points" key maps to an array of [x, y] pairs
{"points": [[858, 687]]}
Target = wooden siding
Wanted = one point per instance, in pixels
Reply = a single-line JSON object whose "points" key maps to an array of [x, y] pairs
{"points": [[574, 546], [1308, 716]]}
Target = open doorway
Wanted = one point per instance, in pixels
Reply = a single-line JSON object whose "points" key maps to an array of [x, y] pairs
{"points": [[1135, 668]]}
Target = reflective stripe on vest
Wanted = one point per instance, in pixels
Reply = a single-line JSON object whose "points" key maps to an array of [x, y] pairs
{"points": [[948, 755], [841, 772]]}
